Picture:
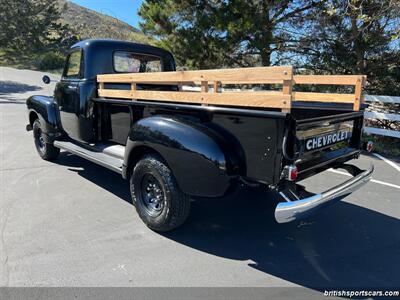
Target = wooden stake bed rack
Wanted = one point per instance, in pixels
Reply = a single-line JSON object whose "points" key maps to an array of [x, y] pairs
{"points": [[249, 76]]}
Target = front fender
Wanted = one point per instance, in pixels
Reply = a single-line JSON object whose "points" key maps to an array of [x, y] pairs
{"points": [[196, 154], [46, 110]]}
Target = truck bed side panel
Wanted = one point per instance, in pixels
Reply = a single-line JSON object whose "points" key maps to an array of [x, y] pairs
{"points": [[261, 140], [251, 140]]}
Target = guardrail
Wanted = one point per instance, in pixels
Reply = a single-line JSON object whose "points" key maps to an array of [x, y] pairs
{"points": [[382, 116]]}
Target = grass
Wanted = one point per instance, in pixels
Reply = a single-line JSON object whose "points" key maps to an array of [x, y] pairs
{"points": [[24, 62], [16, 61], [23, 66]]}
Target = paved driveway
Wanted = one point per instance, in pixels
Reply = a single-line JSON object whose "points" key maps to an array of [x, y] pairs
{"points": [[71, 223]]}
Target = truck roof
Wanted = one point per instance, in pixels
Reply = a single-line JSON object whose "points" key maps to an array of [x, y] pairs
{"points": [[101, 43], [101, 50]]}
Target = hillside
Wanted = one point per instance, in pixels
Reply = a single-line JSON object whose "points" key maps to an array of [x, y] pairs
{"points": [[91, 24], [84, 23]]}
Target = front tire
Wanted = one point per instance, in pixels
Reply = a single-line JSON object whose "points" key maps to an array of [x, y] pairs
{"points": [[46, 150], [158, 200]]}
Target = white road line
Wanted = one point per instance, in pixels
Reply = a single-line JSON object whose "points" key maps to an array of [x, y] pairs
{"points": [[372, 180], [386, 183], [339, 172], [394, 165]]}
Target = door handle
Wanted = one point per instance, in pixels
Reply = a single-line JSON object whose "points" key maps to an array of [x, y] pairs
{"points": [[72, 87]]}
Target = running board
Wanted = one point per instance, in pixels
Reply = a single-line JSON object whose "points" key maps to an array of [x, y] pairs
{"points": [[98, 157]]}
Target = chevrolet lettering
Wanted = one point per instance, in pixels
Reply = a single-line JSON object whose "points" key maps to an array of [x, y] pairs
{"points": [[325, 140]]}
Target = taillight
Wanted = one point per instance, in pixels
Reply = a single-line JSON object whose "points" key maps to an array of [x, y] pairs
{"points": [[291, 173]]}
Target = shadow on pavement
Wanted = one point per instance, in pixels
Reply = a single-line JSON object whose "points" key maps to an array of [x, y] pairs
{"points": [[344, 246], [9, 87], [104, 178]]}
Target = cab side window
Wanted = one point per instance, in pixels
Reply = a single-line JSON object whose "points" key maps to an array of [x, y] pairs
{"points": [[73, 67]]}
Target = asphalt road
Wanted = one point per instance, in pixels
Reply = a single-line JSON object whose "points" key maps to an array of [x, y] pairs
{"points": [[71, 223]]}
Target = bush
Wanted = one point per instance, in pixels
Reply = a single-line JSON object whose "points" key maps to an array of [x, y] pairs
{"points": [[50, 61]]}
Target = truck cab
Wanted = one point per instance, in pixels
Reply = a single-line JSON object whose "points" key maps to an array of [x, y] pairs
{"points": [[171, 151], [77, 86]]}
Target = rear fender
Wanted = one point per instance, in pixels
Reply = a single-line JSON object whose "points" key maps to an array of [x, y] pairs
{"points": [[197, 155]]}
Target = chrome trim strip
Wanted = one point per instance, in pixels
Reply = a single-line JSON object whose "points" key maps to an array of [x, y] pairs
{"points": [[99, 158], [290, 211]]}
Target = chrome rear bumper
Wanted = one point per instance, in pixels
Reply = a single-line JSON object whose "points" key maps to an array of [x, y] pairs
{"points": [[294, 210]]}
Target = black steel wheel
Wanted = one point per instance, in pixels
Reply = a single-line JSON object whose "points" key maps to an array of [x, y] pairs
{"points": [[158, 200], [152, 195], [46, 150]]}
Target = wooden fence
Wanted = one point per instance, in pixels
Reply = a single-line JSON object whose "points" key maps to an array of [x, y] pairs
{"points": [[372, 115]]}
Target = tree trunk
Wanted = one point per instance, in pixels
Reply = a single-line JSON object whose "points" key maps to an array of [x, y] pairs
{"points": [[266, 57], [267, 36], [358, 46]]}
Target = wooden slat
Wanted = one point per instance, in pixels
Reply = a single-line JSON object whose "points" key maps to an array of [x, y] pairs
{"points": [[251, 82], [215, 86], [298, 79], [226, 76], [123, 94], [358, 93], [204, 89], [249, 99], [326, 79], [235, 82], [133, 87], [323, 97], [204, 86], [287, 90]]}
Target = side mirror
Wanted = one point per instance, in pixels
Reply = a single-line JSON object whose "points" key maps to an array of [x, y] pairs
{"points": [[46, 79]]}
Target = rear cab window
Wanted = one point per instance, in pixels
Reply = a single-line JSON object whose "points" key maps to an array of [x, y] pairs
{"points": [[129, 62], [73, 66]]}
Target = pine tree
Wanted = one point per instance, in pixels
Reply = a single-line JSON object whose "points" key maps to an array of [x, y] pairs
{"points": [[30, 26], [355, 37], [207, 34]]}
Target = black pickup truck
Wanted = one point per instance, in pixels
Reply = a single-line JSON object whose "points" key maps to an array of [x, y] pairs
{"points": [[171, 151]]}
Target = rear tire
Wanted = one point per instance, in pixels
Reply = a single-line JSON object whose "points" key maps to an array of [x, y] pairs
{"points": [[46, 150], [158, 200]]}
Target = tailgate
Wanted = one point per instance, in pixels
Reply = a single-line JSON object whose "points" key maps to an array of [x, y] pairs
{"points": [[322, 142]]}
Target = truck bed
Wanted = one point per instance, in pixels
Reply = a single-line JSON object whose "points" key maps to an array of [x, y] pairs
{"points": [[270, 128]]}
